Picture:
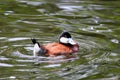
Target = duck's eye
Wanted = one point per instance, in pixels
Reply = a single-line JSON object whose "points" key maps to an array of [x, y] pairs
{"points": [[65, 36]]}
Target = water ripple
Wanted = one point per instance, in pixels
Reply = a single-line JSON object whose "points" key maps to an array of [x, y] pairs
{"points": [[5, 65], [94, 24]]}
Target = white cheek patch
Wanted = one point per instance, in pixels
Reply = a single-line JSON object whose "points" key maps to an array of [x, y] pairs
{"points": [[67, 40], [71, 41], [63, 40]]}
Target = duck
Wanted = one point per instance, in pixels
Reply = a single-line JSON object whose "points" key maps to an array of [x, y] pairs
{"points": [[64, 46]]}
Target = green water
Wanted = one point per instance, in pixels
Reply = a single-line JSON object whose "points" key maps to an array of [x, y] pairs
{"points": [[95, 24]]}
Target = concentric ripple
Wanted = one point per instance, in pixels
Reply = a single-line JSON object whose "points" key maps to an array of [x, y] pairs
{"points": [[94, 24]]}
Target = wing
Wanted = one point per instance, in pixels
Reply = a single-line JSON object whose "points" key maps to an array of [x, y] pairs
{"points": [[57, 49]]}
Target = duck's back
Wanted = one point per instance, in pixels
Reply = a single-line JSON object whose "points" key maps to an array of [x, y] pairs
{"points": [[57, 49]]}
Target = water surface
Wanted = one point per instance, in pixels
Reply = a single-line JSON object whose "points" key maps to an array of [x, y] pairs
{"points": [[94, 24]]}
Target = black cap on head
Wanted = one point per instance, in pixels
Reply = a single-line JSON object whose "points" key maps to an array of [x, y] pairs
{"points": [[65, 34]]}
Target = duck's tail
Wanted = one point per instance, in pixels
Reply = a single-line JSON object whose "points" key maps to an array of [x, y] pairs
{"points": [[34, 41], [38, 49]]}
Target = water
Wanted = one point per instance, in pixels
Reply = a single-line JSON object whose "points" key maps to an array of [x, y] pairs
{"points": [[95, 24]]}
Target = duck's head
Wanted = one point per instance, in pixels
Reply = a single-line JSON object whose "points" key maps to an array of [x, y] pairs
{"points": [[66, 38]]}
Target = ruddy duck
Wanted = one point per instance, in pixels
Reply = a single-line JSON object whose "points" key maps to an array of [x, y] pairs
{"points": [[65, 46]]}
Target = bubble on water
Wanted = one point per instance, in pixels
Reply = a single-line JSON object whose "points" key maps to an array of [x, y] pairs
{"points": [[52, 65], [8, 12], [71, 8], [12, 77], [92, 28], [114, 54], [115, 41]]}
